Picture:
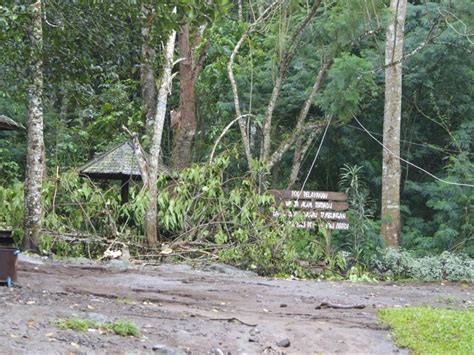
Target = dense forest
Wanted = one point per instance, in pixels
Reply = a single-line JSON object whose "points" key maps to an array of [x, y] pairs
{"points": [[222, 102]]}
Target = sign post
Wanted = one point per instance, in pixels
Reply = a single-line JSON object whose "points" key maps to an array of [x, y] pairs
{"points": [[327, 206]]}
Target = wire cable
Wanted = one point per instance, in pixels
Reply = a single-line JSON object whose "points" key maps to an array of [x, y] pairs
{"points": [[408, 162], [313, 144], [426, 145], [315, 157]]}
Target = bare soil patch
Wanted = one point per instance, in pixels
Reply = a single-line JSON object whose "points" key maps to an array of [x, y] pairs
{"points": [[181, 309]]}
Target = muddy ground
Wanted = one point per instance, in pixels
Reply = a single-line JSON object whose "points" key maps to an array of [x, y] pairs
{"points": [[214, 309]]}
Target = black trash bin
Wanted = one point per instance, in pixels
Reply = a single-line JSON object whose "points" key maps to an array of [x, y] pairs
{"points": [[6, 237], [8, 265]]}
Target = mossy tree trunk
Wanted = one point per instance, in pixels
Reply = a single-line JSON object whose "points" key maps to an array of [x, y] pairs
{"points": [[151, 223], [392, 121], [147, 73], [35, 143]]}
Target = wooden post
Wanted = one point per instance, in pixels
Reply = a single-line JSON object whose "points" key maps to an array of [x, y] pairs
{"points": [[124, 190], [328, 242]]}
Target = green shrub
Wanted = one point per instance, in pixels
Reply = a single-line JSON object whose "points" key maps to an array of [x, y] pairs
{"points": [[228, 217], [394, 263], [457, 266], [123, 328], [76, 206], [428, 268]]}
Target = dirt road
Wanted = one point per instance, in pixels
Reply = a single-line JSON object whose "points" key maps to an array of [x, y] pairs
{"points": [[181, 309]]}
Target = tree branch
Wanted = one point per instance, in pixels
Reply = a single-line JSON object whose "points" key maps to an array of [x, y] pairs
{"points": [[197, 67], [211, 157], [284, 146], [300, 152], [287, 56], [233, 83], [140, 155]]}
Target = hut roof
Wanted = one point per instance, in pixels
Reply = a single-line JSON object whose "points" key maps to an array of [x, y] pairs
{"points": [[118, 163], [7, 124]]}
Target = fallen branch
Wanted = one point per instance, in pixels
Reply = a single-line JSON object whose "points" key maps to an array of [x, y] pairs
{"points": [[233, 319], [326, 305], [73, 237]]}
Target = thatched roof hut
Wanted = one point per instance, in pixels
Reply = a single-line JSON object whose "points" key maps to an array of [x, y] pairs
{"points": [[7, 124], [119, 163]]}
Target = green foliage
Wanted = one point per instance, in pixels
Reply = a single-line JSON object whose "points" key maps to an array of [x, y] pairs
{"points": [[431, 331], [12, 148], [75, 324], [11, 209], [10, 167], [451, 226], [122, 328], [397, 264], [113, 108], [75, 206], [92, 88], [453, 206], [358, 274], [202, 206], [349, 83], [362, 238], [50, 245], [346, 20]]}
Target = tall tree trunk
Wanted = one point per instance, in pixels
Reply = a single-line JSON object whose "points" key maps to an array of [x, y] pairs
{"points": [[147, 74], [392, 122], [35, 149], [185, 131], [158, 124], [189, 68]]}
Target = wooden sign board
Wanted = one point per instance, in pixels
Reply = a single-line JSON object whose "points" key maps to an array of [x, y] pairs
{"points": [[312, 215], [317, 205], [309, 195], [327, 206], [332, 225]]}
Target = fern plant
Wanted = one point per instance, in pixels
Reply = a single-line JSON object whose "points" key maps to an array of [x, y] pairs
{"points": [[362, 239]]}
